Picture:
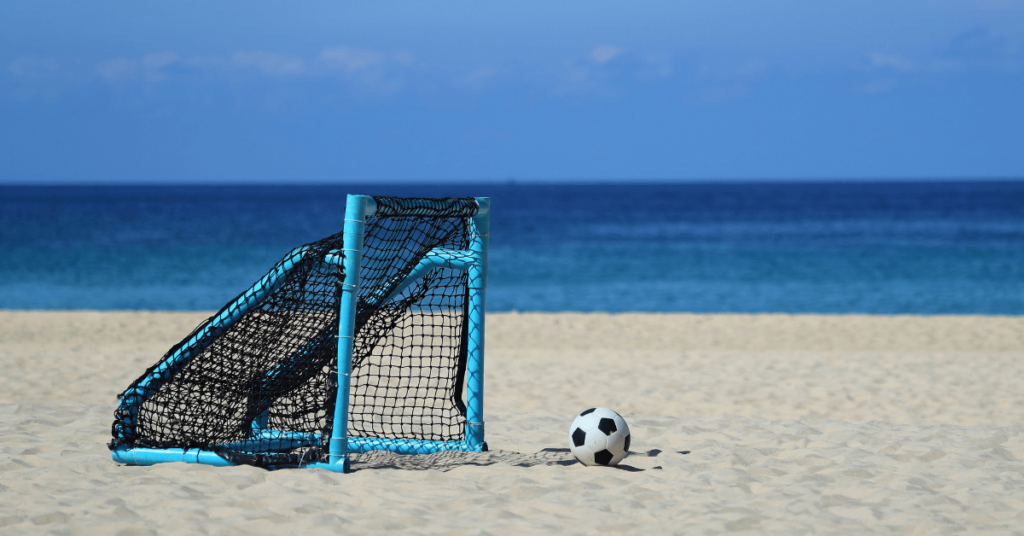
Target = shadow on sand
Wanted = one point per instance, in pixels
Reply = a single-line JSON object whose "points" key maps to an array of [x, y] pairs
{"points": [[446, 461]]}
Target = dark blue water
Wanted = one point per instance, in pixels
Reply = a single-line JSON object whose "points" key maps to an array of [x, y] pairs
{"points": [[918, 248]]}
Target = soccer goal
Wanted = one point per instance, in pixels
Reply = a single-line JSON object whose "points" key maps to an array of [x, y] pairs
{"points": [[370, 339]]}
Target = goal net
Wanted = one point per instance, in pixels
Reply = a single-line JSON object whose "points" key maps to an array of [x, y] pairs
{"points": [[258, 382]]}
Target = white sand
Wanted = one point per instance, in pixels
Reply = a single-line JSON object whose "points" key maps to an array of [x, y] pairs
{"points": [[792, 424]]}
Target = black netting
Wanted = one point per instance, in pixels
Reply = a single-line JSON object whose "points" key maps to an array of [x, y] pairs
{"points": [[261, 390], [408, 355]]}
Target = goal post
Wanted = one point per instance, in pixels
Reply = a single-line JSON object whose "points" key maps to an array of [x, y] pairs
{"points": [[371, 339], [473, 261]]}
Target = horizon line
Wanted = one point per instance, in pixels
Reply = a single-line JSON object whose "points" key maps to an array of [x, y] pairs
{"points": [[511, 181]]}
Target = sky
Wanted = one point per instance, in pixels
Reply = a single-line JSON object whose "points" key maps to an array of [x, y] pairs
{"points": [[395, 90]]}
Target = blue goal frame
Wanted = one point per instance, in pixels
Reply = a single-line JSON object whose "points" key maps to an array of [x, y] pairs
{"points": [[357, 209]]}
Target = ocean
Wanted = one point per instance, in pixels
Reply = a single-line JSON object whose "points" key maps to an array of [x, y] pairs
{"points": [[796, 247]]}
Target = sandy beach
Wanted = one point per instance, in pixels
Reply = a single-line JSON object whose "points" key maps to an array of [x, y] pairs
{"points": [[792, 424]]}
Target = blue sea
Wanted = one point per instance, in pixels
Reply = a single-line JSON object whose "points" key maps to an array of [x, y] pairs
{"points": [[798, 247]]}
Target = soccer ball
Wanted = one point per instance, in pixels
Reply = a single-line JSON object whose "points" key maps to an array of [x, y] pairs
{"points": [[599, 436]]}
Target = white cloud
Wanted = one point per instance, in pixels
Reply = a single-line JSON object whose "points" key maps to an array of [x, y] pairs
{"points": [[574, 78], [878, 87], [33, 68], [891, 61], [604, 53], [354, 60], [369, 71], [979, 48], [125, 69], [271, 63], [999, 5], [404, 58], [118, 69], [153, 63], [476, 79], [717, 94], [944, 65], [657, 66]]}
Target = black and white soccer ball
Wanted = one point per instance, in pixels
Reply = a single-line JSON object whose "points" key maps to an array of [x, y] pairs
{"points": [[599, 436]]}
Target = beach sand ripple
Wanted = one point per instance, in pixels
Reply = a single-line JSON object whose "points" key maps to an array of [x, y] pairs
{"points": [[729, 435]]}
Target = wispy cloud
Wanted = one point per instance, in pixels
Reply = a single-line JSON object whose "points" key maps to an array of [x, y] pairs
{"points": [[149, 67], [604, 53], [404, 58], [352, 59], [656, 66], [153, 64], [477, 78], [999, 4], [271, 63], [370, 72], [878, 87], [34, 68], [891, 61], [118, 69], [975, 49], [978, 48], [717, 94]]}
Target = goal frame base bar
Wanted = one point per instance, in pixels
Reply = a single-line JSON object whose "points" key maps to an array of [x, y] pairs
{"points": [[148, 456], [358, 207]]}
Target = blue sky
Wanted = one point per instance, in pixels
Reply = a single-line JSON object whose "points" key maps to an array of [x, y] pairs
{"points": [[258, 91]]}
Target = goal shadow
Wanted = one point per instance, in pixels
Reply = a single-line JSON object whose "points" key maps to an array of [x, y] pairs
{"points": [[449, 460]]}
